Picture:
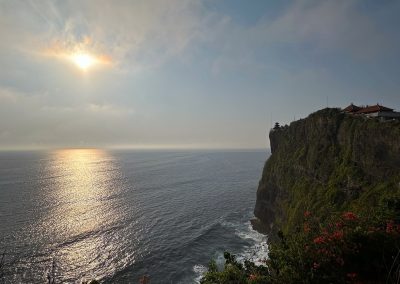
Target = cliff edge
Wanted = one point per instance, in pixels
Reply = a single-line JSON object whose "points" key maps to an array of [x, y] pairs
{"points": [[327, 163]]}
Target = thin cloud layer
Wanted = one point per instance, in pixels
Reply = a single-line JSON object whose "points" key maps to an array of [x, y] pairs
{"points": [[186, 72], [130, 33]]}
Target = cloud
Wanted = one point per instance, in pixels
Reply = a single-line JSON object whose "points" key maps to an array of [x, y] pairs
{"points": [[320, 28], [329, 25], [133, 34], [28, 119]]}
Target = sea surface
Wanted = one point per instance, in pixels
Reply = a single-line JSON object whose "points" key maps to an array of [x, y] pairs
{"points": [[79, 214]]}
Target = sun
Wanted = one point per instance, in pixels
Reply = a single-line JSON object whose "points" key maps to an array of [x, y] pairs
{"points": [[83, 60]]}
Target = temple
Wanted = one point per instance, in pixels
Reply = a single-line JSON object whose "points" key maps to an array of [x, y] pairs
{"points": [[372, 111]]}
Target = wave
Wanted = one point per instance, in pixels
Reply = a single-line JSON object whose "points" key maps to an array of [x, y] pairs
{"points": [[256, 251], [199, 271]]}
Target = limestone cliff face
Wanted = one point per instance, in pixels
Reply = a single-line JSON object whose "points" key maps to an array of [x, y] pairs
{"points": [[327, 162]]}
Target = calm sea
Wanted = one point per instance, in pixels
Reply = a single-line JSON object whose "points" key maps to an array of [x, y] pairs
{"points": [[117, 215]]}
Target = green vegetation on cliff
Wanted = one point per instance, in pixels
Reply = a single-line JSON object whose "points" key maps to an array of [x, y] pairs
{"points": [[329, 198], [328, 163]]}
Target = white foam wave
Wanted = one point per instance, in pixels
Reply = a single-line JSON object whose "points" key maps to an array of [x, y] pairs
{"points": [[258, 251], [199, 271]]}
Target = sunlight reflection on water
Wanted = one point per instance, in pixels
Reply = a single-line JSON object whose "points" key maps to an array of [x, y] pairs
{"points": [[83, 208]]}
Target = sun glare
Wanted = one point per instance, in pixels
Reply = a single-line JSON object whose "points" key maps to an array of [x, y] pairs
{"points": [[83, 60]]}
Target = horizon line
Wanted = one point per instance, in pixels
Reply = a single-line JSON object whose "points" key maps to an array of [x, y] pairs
{"points": [[137, 148]]}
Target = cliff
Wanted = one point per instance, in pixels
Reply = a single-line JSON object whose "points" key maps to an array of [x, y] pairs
{"points": [[327, 163]]}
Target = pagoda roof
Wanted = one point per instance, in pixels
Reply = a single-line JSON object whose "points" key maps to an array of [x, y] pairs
{"points": [[352, 108], [374, 108]]}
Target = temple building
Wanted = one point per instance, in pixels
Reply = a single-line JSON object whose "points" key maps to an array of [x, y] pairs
{"points": [[372, 111]]}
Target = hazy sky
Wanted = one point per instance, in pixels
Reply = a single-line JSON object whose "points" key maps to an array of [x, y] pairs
{"points": [[187, 73]]}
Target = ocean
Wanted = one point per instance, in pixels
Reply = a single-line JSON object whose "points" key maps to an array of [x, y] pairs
{"points": [[115, 216]]}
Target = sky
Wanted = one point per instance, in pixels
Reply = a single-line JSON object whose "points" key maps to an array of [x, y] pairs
{"points": [[187, 73]]}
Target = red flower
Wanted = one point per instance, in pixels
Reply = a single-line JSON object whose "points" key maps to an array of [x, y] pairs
{"points": [[390, 226], [252, 277], [319, 240], [307, 214], [338, 235], [339, 225], [349, 216]]}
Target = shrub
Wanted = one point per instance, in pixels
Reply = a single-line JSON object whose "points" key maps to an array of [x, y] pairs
{"points": [[235, 272], [345, 249]]}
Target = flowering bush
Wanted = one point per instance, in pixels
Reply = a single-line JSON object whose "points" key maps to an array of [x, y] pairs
{"points": [[347, 249]]}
